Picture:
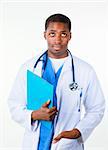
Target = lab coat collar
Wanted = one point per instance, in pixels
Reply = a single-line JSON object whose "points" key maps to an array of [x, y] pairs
{"points": [[67, 64]]}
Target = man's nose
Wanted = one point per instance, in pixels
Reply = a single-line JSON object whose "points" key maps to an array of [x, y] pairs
{"points": [[58, 39]]}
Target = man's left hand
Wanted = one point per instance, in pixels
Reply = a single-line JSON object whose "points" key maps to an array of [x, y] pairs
{"points": [[72, 134]]}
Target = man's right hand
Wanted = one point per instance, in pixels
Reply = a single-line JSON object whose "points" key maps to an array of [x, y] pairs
{"points": [[44, 113]]}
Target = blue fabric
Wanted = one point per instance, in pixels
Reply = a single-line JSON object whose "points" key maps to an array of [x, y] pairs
{"points": [[46, 135]]}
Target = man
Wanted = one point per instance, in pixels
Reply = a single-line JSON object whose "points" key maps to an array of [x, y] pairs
{"points": [[75, 85]]}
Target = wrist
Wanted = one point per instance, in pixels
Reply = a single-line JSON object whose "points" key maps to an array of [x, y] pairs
{"points": [[34, 115], [76, 133]]}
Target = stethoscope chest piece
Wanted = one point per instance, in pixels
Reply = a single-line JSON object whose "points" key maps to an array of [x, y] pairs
{"points": [[73, 86]]}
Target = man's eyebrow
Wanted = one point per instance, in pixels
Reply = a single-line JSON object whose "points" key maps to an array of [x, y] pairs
{"points": [[53, 30], [56, 31]]}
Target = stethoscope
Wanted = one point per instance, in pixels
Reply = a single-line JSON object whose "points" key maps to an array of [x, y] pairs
{"points": [[73, 86]]}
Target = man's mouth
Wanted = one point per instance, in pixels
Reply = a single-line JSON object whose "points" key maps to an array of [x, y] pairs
{"points": [[58, 46]]}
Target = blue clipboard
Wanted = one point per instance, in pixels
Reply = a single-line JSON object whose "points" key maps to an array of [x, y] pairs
{"points": [[39, 91]]}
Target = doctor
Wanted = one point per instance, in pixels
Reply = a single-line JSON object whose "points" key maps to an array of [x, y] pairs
{"points": [[78, 98]]}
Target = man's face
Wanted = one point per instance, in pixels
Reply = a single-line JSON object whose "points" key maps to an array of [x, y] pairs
{"points": [[57, 36]]}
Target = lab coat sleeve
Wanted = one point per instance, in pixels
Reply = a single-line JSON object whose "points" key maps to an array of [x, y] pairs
{"points": [[17, 102], [94, 107]]}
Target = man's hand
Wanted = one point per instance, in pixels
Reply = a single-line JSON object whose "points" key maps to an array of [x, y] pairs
{"points": [[72, 134], [44, 113]]}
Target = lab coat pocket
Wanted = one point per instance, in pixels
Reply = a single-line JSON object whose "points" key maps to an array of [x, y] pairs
{"points": [[69, 144], [71, 99]]}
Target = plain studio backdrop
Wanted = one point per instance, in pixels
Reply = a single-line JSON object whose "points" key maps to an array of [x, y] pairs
{"points": [[21, 37]]}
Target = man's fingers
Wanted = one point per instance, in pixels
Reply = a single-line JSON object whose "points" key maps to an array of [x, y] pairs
{"points": [[46, 104], [55, 140], [52, 115], [53, 109], [61, 135]]}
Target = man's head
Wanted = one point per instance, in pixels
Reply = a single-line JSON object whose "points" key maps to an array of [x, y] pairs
{"points": [[57, 33], [58, 18]]}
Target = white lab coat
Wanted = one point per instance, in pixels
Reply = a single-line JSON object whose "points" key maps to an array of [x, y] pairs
{"points": [[68, 103]]}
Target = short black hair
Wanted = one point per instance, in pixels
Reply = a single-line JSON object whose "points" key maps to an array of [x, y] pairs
{"points": [[58, 18]]}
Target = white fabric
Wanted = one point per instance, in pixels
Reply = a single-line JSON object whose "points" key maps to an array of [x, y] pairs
{"points": [[68, 103], [57, 63]]}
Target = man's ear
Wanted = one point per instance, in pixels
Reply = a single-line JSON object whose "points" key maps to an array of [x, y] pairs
{"points": [[45, 34], [70, 35]]}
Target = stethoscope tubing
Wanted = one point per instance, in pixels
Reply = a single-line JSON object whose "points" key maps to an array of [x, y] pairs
{"points": [[73, 86], [45, 61]]}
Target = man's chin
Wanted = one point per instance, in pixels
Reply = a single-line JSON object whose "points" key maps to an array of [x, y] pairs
{"points": [[57, 50], [56, 53]]}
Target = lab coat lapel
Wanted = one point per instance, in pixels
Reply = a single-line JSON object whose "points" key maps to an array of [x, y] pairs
{"points": [[66, 67]]}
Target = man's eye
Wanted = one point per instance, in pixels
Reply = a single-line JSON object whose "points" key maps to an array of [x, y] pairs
{"points": [[64, 34], [52, 34]]}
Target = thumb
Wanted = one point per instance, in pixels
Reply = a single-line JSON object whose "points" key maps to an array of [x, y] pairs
{"points": [[46, 104]]}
